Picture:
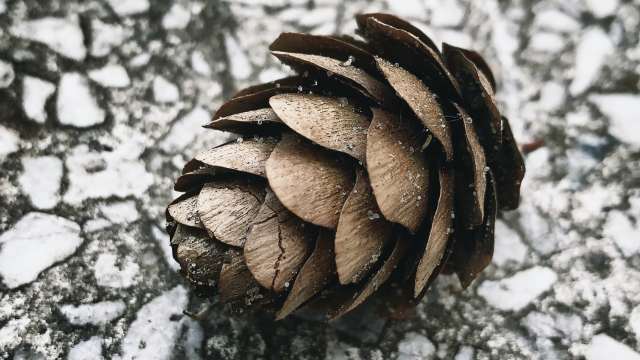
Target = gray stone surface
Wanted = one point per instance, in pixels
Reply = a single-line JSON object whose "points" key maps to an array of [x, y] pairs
{"points": [[114, 90]]}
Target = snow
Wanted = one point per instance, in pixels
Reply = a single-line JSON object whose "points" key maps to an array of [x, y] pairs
{"points": [[129, 7], [623, 232], [591, 51], [518, 291], [97, 314], [49, 239], [35, 95], [76, 105], [542, 325], [63, 36], [111, 76], [238, 61], [164, 91], [6, 74], [415, 346], [508, 245], [634, 322], [9, 333], [9, 140], [602, 8], [121, 212], [105, 37], [590, 202], [199, 64], [465, 353], [3, 6], [602, 347], [185, 130], [177, 18], [271, 74], [154, 327], [111, 271], [546, 42], [325, 29], [140, 60], [41, 180], [443, 13], [162, 238], [318, 16], [87, 350], [552, 96], [407, 8], [623, 111], [95, 225], [557, 21]]}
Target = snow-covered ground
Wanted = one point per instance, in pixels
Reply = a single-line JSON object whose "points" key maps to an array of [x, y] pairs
{"points": [[100, 106]]}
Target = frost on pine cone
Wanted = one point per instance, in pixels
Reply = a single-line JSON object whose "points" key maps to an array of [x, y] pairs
{"points": [[379, 166]]}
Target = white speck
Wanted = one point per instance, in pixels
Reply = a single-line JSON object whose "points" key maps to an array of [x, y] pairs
{"points": [[415, 346], [552, 96], [177, 18], [372, 216], [407, 8], [99, 313], [162, 238], [6, 74], [602, 8], [164, 91], [76, 105], [518, 291], [286, 284], [63, 36], [35, 95], [41, 180], [509, 246], [9, 140], [343, 101], [591, 52], [239, 63], [121, 212], [95, 225], [154, 326], [556, 20], [129, 7], [602, 347], [185, 130], [49, 239], [140, 60], [623, 111], [318, 16], [109, 274], [87, 350], [465, 353], [105, 37], [546, 42], [199, 64], [271, 74], [111, 76], [624, 233]]}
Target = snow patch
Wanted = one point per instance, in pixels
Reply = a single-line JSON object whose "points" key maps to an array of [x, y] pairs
{"points": [[162, 238], [35, 95], [185, 130], [11, 331], [50, 239], [552, 96], [97, 314], [153, 334], [238, 61], [109, 274], [634, 321], [557, 21], [121, 212], [111, 76], [9, 140], [271, 74], [546, 42], [6, 74], [465, 353], [602, 8], [318, 16], [509, 245], [140, 60], [87, 350], [602, 347], [95, 225], [591, 51], [623, 232], [199, 64], [129, 7], [623, 111], [177, 18], [518, 291], [105, 37], [407, 8], [63, 36], [415, 346], [443, 13], [76, 105], [41, 180], [164, 91]]}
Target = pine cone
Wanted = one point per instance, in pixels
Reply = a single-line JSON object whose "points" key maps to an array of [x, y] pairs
{"points": [[379, 166]]}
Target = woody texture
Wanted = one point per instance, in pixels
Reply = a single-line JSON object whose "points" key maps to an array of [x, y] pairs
{"points": [[380, 165]]}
